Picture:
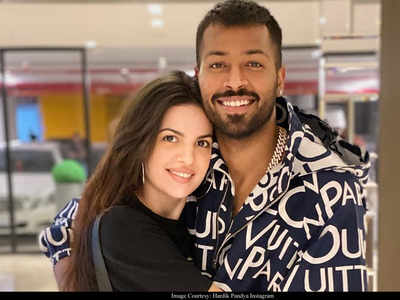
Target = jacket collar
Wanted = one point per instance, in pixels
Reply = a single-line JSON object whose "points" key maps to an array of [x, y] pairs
{"points": [[276, 181]]}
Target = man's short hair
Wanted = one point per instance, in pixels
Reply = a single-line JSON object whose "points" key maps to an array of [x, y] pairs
{"points": [[240, 13]]}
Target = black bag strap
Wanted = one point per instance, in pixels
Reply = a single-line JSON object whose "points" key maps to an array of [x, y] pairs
{"points": [[103, 281]]}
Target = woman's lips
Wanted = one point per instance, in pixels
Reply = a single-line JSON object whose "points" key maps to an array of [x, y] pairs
{"points": [[180, 175]]}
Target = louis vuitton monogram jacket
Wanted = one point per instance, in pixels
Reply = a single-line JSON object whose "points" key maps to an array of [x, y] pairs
{"points": [[302, 228]]}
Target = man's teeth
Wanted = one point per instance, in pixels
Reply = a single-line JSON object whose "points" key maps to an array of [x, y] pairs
{"points": [[236, 103], [184, 175]]}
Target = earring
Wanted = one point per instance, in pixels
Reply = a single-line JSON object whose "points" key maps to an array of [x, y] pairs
{"points": [[143, 173]]}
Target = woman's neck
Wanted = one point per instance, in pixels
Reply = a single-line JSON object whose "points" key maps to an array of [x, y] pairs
{"points": [[162, 205]]}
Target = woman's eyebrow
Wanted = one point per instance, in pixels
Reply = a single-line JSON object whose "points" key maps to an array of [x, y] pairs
{"points": [[205, 136], [182, 134], [173, 130]]}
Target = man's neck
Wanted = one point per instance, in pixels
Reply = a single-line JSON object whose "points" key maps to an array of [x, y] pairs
{"points": [[248, 158]]}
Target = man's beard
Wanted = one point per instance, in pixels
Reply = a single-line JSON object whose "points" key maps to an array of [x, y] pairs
{"points": [[236, 126]]}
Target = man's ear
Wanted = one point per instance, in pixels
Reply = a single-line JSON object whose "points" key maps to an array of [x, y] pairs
{"points": [[196, 71], [281, 80]]}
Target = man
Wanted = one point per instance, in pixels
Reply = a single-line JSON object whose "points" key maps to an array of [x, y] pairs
{"points": [[279, 210]]}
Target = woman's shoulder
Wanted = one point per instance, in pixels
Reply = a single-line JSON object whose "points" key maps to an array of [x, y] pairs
{"points": [[123, 218], [124, 225], [128, 233], [118, 211]]}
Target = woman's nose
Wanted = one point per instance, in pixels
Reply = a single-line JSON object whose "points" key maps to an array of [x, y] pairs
{"points": [[186, 155]]}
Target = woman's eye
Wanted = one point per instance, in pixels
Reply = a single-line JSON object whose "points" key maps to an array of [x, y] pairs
{"points": [[170, 138], [203, 144], [216, 66]]}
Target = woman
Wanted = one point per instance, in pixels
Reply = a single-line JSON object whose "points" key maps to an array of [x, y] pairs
{"points": [[159, 155]]}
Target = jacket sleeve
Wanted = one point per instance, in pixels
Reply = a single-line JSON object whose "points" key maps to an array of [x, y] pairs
{"points": [[336, 259], [54, 241]]}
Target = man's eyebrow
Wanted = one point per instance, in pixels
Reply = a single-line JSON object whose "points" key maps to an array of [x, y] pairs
{"points": [[255, 51], [215, 52], [247, 52]]}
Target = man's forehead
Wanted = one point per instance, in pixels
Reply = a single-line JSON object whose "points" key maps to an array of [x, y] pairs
{"points": [[221, 29], [245, 39]]}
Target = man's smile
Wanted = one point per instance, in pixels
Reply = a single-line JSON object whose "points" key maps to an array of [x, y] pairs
{"points": [[235, 104]]}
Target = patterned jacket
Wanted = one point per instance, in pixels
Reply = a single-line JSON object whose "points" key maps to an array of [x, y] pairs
{"points": [[302, 228]]}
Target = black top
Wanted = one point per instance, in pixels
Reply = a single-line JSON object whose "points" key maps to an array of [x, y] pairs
{"points": [[146, 252]]}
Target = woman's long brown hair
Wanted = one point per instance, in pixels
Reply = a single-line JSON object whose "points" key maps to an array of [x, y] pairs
{"points": [[118, 174]]}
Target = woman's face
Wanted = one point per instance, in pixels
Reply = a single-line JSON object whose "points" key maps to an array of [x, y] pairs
{"points": [[181, 155]]}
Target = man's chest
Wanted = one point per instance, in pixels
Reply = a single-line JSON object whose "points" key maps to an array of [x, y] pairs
{"points": [[255, 255]]}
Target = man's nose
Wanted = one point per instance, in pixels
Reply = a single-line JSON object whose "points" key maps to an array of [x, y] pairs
{"points": [[236, 80]]}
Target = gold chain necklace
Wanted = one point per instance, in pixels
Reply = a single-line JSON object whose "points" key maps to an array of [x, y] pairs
{"points": [[279, 148]]}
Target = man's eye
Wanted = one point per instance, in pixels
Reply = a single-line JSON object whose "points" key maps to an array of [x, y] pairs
{"points": [[169, 138], [254, 64], [203, 143]]}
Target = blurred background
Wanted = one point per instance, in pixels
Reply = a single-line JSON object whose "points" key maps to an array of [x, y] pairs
{"points": [[68, 68]]}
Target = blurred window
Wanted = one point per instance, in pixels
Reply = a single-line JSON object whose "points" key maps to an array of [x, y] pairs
{"points": [[28, 161]]}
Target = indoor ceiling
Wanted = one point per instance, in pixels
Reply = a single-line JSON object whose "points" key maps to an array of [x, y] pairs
{"points": [[122, 40]]}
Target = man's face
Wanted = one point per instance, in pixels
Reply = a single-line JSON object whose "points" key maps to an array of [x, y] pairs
{"points": [[238, 78]]}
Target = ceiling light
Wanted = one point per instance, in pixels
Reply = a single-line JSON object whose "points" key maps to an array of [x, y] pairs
{"points": [[125, 71], [157, 23], [10, 79], [155, 9], [316, 54], [90, 44], [162, 62]]}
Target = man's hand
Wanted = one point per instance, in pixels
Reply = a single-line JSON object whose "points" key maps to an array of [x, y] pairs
{"points": [[59, 272], [214, 288]]}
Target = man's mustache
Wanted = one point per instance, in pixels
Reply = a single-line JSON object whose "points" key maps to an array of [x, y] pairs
{"points": [[241, 92]]}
